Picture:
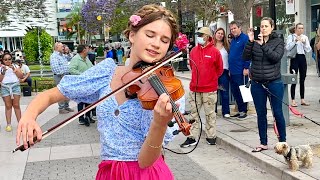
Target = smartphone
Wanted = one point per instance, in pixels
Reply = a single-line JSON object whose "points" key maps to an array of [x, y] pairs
{"points": [[256, 32]]}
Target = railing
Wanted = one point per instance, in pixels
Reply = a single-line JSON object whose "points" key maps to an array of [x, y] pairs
{"points": [[45, 73]]}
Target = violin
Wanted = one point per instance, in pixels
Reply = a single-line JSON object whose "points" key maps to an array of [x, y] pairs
{"points": [[150, 88], [152, 78]]}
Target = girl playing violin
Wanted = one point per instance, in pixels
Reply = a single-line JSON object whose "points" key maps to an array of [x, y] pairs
{"points": [[151, 32]]}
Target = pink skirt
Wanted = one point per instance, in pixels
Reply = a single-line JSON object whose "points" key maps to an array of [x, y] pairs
{"points": [[130, 170]]}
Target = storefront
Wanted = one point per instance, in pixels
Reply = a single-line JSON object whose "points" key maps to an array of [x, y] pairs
{"points": [[283, 20]]}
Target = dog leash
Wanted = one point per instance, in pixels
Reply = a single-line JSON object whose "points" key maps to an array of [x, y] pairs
{"points": [[292, 109]]}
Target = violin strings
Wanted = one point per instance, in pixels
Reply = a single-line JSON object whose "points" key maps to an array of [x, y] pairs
{"points": [[159, 85], [162, 88]]}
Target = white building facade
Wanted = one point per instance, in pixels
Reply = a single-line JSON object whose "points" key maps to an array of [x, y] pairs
{"points": [[11, 35]]}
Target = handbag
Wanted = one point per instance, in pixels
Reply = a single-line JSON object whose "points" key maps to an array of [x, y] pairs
{"points": [[292, 52], [246, 91]]}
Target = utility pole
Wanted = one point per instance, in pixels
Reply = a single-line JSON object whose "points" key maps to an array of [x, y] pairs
{"points": [[182, 64], [272, 8], [180, 15]]}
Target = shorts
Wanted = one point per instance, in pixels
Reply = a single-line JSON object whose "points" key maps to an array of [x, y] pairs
{"points": [[5, 91]]}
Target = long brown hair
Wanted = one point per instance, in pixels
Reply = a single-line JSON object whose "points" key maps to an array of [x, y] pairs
{"points": [[224, 40]]}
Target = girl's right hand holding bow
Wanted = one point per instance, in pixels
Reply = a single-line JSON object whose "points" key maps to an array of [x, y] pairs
{"points": [[28, 129]]}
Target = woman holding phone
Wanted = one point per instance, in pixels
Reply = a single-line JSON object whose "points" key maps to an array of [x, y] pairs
{"points": [[266, 54]]}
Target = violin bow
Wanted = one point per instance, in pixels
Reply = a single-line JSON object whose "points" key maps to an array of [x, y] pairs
{"points": [[60, 125]]}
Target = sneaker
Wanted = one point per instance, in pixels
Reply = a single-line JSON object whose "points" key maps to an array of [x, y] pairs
{"points": [[211, 141], [189, 142], [9, 128], [242, 116], [94, 118], [69, 109], [236, 115], [63, 111], [81, 121], [226, 116]]}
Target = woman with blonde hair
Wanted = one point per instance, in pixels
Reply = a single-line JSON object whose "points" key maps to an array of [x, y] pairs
{"points": [[222, 44]]}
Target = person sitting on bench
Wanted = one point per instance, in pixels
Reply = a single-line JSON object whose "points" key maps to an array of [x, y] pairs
{"points": [[26, 72]]}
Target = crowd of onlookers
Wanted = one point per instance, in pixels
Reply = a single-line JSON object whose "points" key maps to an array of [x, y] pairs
{"points": [[222, 61], [63, 63], [117, 52]]}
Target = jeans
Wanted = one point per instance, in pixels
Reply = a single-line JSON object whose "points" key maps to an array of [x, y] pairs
{"points": [[29, 81], [236, 81], [260, 101], [62, 104], [224, 81]]}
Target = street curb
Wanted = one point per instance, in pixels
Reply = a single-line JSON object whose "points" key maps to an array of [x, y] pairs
{"points": [[269, 164]]}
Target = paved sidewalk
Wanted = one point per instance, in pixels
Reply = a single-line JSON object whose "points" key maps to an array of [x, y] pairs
{"points": [[242, 136], [12, 166]]}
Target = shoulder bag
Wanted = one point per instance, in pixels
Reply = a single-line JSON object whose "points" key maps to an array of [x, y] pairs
{"points": [[293, 51]]}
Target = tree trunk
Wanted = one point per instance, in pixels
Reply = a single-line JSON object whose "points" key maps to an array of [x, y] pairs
{"points": [[241, 10], [79, 33]]}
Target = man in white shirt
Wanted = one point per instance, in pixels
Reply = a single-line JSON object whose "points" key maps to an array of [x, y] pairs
{"points": [[26, 72]]}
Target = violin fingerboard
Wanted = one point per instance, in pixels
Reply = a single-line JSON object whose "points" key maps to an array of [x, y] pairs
{"points": [[158, 86]]}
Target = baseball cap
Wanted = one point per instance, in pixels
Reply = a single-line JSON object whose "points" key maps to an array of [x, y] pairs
{"points": [[204, 30]]}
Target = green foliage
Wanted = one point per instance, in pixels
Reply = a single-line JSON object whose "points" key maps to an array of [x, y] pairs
{"points": [[73, 21], [30, 44], [43, 83], [120, 20], [100, 51]]}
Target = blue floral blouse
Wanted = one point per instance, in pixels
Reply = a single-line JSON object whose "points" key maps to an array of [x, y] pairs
{"points": [[122, 134]]}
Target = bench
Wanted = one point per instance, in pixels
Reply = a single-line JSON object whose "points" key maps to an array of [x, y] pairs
{"points": [[23, 84], [40, 85]]}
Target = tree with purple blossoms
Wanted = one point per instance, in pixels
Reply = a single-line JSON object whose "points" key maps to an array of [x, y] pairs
{"points": [[94, 8]]}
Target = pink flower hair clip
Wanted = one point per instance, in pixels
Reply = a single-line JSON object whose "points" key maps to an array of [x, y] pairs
{"points": [[135, 19]]}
